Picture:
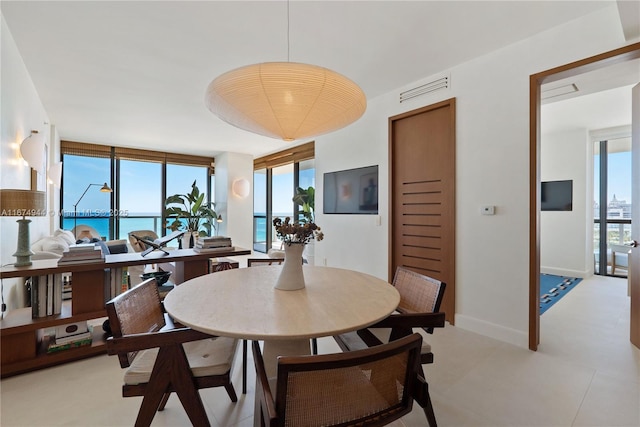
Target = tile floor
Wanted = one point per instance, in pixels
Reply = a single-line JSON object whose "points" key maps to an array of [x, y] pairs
{"points": [[586, 373]]}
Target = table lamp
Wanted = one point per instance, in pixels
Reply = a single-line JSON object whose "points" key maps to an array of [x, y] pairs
{"points": [[23, 203]]}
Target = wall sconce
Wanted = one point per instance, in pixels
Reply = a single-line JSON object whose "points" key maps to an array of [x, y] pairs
{"points": [[55, 174], [32, 151], [240, 188]]}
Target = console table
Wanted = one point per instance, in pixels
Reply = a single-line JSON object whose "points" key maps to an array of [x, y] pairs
{"points": [[20, 333]]}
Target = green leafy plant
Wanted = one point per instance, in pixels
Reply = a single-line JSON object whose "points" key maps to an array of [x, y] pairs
{"points": [[193, 209], [306, 200]]}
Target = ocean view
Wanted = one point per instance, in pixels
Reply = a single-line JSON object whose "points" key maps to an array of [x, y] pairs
{"points": [[147, 221]]}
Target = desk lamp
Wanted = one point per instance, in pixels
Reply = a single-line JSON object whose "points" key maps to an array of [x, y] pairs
{"points": [[23, 203]]}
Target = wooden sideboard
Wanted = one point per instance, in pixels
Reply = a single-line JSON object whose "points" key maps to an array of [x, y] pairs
{"points": [[19, 332]]}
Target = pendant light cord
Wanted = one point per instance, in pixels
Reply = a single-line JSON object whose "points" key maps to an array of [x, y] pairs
{"points": [[288, 31]]}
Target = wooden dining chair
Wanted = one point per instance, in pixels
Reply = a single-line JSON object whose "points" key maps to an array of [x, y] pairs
{"points": [[253, 262], [162, 358], [370, 387], [420, 300]]}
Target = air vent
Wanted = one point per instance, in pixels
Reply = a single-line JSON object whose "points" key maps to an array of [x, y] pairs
{"points": [[559, 91], [432, 86]]}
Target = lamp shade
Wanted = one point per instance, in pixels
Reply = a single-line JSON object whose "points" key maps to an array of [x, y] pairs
{"points": [[285, 100], [32, 151], [22, 203], [55, 174]]}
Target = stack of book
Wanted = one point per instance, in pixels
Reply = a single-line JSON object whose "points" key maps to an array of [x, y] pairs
{"points": [[70, 336], [213, 244], [82, 253]]}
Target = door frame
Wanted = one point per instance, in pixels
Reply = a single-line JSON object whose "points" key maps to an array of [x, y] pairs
{"points": [[623, 54]]}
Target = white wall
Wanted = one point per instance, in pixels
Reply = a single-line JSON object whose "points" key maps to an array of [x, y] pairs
{"points": [[21, 112], [237, 212], [564, 235], [492, 167]]}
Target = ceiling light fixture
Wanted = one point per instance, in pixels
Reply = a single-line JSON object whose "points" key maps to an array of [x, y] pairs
{"points": [[285, 100]]}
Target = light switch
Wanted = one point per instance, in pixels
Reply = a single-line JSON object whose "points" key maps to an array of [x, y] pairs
{"points": [[488, 210]]}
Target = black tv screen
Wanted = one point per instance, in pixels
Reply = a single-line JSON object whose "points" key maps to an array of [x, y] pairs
{"points": [[557, 195]]}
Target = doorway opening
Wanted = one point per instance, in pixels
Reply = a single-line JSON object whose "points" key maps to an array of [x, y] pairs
{"points": [[599, 63]]}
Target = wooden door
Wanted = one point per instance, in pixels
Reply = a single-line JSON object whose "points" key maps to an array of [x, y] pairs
{"points": [[634, 257], [422, 195]]}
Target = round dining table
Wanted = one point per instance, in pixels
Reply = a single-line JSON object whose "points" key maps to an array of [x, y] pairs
{"points": [[243, 303]]}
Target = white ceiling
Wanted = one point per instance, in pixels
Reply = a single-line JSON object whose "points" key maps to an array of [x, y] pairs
{"points": [[133, 73]]}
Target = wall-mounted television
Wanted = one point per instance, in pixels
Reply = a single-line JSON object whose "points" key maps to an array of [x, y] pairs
{"points": [[352, 191], [556, 195]]}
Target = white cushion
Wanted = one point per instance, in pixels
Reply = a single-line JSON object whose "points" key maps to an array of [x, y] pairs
{"points": [[206, 357], [51, 244], [66, 235]]}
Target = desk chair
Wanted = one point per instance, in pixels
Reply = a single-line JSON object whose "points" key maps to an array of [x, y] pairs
{"points": [[162, 357], [420, 299], [371, 387]]}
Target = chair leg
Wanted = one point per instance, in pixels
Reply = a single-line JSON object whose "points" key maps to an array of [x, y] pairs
{"points": [[428, 411], [314, 345], [231, 392], [163, 403], [244, 366], [172, 364], [423, 398]]}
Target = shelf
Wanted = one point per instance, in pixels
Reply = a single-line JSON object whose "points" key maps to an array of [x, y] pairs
{"points": [[20, 321], [19, 331], [43, 359]]}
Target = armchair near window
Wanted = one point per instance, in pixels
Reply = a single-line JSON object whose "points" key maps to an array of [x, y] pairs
{"points": [[420, 300], [162, 358], [371, 387]]}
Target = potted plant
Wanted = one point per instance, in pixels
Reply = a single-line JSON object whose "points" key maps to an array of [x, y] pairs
{"points": [[306, 200], [191, 212]]}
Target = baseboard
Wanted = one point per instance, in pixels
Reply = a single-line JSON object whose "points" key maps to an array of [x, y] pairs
{"points": [[565, 272], [492, 330]]}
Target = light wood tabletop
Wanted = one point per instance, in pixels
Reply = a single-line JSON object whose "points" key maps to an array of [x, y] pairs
{"points": [[243, 303]]}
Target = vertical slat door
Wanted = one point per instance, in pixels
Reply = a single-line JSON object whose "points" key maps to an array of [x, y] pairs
{"points": [[422, 173]]}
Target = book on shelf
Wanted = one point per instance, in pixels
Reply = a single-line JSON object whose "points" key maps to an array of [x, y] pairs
{"points": [[116, 282], [54, 347], [213, 250], [213, 242], [46, 295], [82, 253], [69, 339]]}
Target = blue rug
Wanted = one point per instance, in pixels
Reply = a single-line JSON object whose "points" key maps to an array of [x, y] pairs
{"points": [[552, 288]]}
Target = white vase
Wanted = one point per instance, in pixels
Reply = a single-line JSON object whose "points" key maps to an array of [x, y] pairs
{"points": [[189, 239], [291, 277]]}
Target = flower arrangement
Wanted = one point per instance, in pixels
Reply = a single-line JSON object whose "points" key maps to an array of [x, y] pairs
{"points": [[296, 232]]}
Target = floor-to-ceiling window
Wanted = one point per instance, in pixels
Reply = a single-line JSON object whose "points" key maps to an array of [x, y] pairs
{"points": [[275, 180], [612, 205], [140, 181]]}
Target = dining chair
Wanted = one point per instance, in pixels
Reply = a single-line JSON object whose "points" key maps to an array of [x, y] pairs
{"points": [[371, 387], [420, 300], [162, 357], [253, 262]]}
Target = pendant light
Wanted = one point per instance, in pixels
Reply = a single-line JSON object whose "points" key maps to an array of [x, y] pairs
{"points": [[285, 100]]}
